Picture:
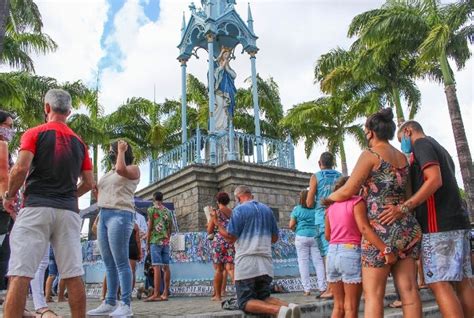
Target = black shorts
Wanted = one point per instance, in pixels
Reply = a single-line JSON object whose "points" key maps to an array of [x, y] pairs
{"points": [[252, 288], [133, 252]]}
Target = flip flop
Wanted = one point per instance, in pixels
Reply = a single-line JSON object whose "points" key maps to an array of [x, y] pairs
{"points": [[28, 314], [164, 298], [45, 312], [152, 299], [393, 305]]}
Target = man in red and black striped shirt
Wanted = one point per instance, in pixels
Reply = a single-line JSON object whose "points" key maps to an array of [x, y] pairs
{"points": [[51, 159]]}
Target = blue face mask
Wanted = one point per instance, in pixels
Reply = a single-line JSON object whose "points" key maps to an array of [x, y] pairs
{"points": [[406, 145]]}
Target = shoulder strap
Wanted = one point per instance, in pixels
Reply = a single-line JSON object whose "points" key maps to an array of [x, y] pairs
{"points": [[374, 153]]}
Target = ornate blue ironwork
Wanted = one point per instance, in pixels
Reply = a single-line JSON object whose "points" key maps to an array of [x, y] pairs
{"points": [[196, 150], [216, 27]]}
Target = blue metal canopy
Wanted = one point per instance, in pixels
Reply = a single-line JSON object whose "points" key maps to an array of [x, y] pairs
{"points": [[219, 18]]}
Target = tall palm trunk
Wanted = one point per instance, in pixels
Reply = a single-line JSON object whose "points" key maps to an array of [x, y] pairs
{"points": [[460, 139], [4, 12], [342, 152], [398, 106], [95, 154]]}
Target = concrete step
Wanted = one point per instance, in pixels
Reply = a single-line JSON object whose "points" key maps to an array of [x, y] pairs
{"points": [[430, 309], [323, 309]]}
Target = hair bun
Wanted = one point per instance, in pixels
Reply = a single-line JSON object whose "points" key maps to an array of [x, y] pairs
{"points": [[386, 114]]}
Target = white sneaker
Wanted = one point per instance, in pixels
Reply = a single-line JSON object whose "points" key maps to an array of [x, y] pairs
{"points": [[122, 310], [285, 312], [296, 310], [103, 309]]}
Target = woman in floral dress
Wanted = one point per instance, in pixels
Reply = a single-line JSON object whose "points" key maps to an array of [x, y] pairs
{"points": [[384, 172], [223, 251]]}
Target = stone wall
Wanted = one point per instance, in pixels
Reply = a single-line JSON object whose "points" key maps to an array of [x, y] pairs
{"points": [[194, 187]]}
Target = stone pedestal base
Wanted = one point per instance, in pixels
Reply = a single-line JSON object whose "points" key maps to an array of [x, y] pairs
{"points": [[194, 187]]}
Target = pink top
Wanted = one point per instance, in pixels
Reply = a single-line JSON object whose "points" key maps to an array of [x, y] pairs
{"points": [[342, 222]]}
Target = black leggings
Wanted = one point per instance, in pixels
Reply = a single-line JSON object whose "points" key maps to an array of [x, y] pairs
{"points": [[4, 258]]}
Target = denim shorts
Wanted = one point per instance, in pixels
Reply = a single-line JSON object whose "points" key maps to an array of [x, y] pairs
{"points": [[344, 263], [52, 266], [252, 288], [446, 256], [160, 254]]}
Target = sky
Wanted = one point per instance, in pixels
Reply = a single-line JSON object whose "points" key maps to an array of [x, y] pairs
{"points": [[131, 46]]}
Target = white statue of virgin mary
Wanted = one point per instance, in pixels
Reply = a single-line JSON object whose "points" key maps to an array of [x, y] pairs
{"points": [[225, 90]]}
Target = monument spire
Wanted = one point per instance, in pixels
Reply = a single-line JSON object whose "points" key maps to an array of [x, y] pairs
{"points": [[250, 18], [183, 25]]}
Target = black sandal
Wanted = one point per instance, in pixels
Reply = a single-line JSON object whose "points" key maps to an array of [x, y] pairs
{"points": [[45, 312]]}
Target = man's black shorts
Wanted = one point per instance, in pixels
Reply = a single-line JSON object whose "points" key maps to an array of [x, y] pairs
{"points": [[252, 288]]}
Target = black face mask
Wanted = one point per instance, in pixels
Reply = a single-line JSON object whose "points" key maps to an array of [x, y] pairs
{"points": [[112, 156], [368, 140]]}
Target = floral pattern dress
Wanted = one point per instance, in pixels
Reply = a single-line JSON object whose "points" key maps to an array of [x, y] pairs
{"points": [[387, 185], [223, 250]]}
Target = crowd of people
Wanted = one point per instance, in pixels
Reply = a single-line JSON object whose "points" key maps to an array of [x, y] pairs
{"points": [[394, 209]]}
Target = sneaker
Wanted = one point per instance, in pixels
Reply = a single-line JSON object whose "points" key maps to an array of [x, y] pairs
{"points": [[123, 310], [295, 310], [285, 312], [103, 309]]}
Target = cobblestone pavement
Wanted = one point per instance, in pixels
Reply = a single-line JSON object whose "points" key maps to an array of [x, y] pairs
{"points": [[175, 306], [203, 307]]}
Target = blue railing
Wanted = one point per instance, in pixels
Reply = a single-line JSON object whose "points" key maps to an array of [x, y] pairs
{"points": [[218, 148]]}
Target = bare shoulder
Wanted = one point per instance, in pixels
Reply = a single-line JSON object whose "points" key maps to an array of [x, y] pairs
{"points": [[367, 155], [401, 158]]}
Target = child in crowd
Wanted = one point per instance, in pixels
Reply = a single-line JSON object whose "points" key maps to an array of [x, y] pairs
{"points": [[346, 222]]}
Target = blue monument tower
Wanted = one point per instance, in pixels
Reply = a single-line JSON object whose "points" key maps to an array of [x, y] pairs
{"points": [[220, 157], [217, 28]]}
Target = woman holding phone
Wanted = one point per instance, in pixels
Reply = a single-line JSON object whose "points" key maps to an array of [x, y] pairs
{"points": [[223, 250]]}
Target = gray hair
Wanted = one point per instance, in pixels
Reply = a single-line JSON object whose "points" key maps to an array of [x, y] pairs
{"points": [[59, 100], [242, 189]]}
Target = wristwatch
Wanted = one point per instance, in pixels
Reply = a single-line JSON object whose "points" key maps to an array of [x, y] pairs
{"points": [[404, 209], [387, 250]]}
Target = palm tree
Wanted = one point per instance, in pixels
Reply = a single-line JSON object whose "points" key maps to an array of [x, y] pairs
{"points": [[91, 126], [328, 119], [3, 18], [379, 80], [434, 33], [151, 128], [271, 108], [24, 97], [23, 35]]}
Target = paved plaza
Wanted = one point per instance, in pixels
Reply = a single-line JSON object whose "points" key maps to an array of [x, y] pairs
{"points": [[204, 307]]}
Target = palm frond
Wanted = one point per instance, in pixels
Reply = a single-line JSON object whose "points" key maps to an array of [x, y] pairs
{"points": [[25, 15], [458, 46], [435, 42]]}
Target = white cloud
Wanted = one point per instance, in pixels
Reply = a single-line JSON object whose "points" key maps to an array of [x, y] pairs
{"points": [[127, 22], [292, 35], [77, 27], [291, 38]]}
